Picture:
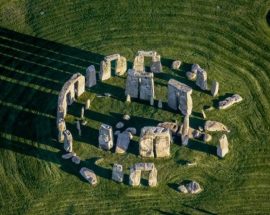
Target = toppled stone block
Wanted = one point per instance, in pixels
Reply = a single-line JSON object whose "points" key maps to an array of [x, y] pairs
{"points": [[223, 147], [105, 137], [215, 126], [123, 141], [193, 187], [68, 155], [207, 138], [172, 126], [228, 102], [117, 173], [176, 64], [89, 175], [126, 117], [75, 159], [119, 125], [91, 79], [68, 141], [182, 188], [191, 76], [201, 81], [214, 88], [179, 96]]}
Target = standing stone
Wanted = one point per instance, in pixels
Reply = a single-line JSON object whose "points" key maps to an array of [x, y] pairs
{"points": [[121, 66], [68, 141], [105, 138], [156, 66], [138, 64], [134, 177], [147, 86], [152, 181], [123, 141], [202, 79], [160, 104], [82, 113], [176, 64], [105, 70], [117, 173], [78, 125], [146, 145], [90, 76], [132, 84], [223, 147], [185, 131], [214, 88], [179, 96], [87, 104], [61, 128], [128, 99]]}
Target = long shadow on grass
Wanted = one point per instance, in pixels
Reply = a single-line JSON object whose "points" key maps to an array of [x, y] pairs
{"points": [[202, 147]]}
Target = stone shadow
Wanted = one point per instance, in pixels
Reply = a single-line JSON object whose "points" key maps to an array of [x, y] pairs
{"points": [[202, 147], [220, 98]]}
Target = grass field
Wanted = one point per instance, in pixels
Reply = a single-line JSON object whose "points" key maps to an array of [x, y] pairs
{"points": [[42, 43]]}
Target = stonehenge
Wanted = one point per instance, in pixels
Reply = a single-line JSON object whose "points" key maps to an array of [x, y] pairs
{"points": [[215, 126], [140, 85], [176, 64], [223, 146], [201, 80], [135, 174], [90, 76], [185, 131], [138, 64], [123, 140], [228, 102], [214, 88], [105, 66], [61, 125], [155, 142], [68, 141], [179, 97], [192, 187]]}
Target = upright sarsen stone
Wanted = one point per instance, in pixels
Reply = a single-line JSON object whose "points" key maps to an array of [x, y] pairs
{"points": [[68, 141], [90, 76], [201, 80], [105, 70], [105, 138], [121, 66]]}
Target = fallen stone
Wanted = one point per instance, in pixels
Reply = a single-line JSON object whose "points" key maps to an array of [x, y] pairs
{"points": [[191, 76], [223, 147], [117, 173], [172, 126], [132, 130], [214, 88], [176, 64], [75, 159], [68, 155], [89, 175], [119, 125], [126, 117], [193, 187], [228, 102], [107, 94], [196, 134], [215, 126], [123, 141], [182, 189]]}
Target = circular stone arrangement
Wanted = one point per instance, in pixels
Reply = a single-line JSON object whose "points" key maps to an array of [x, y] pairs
{"points": [[154, 141]]}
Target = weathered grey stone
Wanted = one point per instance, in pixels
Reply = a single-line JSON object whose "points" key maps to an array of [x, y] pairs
{"points": [[160, 104], [195, 67], [184, 139], [156, 66], [215, 126], [207, 138], [105, 137], [176, 64], [119, 125], [157, 138], [132, 130], [61, 125], [68, 155], [196, 134], [193, 187], [117, 173], [152, 181], [134, 177], [182, 188], [68, 141], [147, 86], [191, 76], [228, 102], [128, 98], [75, 159], [132, 84], [179, 96], [201, 80], [116, 133], [214, 88], [121, 66], [82, 113], [72, 89], [126, 117], [123, 141], [89, 175], [105, 70], [223, 147], [87, 104], [172, 126], [90, 76], [78, 126], [185, 131]]}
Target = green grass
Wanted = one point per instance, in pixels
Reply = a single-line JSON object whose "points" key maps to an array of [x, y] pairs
{"points": [[38, 53]]}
